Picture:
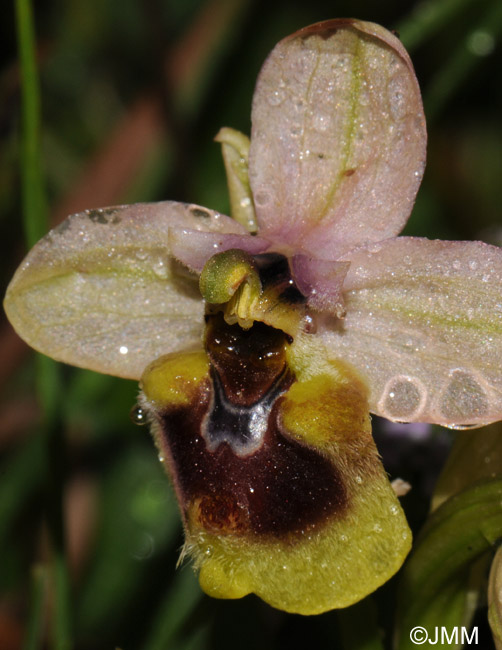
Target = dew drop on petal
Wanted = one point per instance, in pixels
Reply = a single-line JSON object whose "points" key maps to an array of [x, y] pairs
{"points": [[320, 122], [276, 97], [160, 270], [403, 398], [262, 198], [200, 213], [463, 397]]}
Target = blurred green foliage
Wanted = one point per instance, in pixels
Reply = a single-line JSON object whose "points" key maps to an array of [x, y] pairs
{"points": [[150, 84]]}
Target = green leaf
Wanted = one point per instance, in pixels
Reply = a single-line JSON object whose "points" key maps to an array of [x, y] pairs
{"points": [[433, 591]]}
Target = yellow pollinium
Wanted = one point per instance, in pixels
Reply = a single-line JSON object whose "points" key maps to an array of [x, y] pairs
{"points": [[224, 272], [230, 282]]}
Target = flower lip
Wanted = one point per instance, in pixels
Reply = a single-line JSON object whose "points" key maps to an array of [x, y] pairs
{"points": [[256, 488]]}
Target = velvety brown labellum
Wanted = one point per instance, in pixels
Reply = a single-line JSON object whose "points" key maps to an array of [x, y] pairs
{"points": [[236, 470]]}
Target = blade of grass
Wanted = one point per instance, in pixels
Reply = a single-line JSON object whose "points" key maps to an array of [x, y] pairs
{"points": [[428, 18], [33, 195], [48, 385], [173, 613], [462, 63], [33, 639]]}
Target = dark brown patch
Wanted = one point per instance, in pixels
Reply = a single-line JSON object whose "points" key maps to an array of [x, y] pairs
{"points": [[283, 488], [349, 172], [248, 361]]}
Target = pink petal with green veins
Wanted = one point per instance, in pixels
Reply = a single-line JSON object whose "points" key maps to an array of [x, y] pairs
{"points": [[193, 248], [102, 291], [338, 138], [423, 326]]}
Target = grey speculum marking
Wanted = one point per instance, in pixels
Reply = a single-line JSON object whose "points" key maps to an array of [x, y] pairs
{"points": [[242, 427]]}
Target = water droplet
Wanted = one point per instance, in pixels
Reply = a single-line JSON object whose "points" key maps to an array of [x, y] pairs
{"points": [[123, 349], [377, 528], [473, 265], [160, 269], [141, 254], [138, 415], [199, 213], [463, 398], [245, 202], [208, 551], [403, 398], [320, 122], [277, 97], [262, 198], [358, 480]]}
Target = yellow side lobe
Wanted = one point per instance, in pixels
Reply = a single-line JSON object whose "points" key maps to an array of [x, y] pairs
{"points": [[173, 379]]}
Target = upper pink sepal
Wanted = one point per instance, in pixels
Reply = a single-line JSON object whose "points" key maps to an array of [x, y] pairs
{"points": [[338, 138]]}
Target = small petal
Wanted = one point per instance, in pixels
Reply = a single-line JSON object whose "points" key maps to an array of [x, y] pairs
{"points": [[424, 328], [338, 138], [102, 291], [321, 281], [193, 249], [235, 149]]}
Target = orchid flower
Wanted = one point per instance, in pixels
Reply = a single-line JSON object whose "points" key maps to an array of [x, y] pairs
{"points": [[262, 342]]}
